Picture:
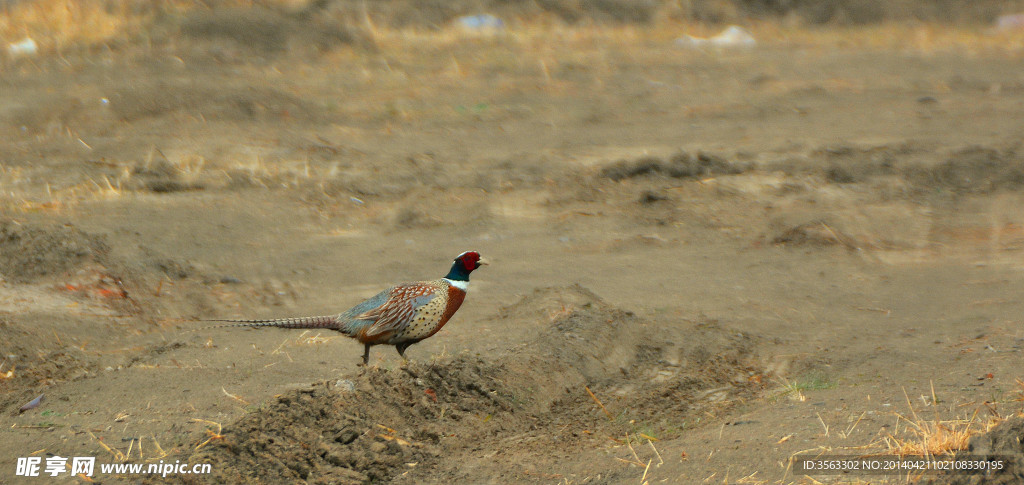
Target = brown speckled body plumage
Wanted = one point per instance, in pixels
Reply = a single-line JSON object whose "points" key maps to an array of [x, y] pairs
{"points": [[411, 312], [401, 315]]}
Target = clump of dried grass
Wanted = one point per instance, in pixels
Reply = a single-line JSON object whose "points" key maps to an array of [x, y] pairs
{"points": [[55, 24], [936, 436]]}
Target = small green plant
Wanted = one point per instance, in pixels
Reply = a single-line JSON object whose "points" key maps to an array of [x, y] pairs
{"points": [[812, 381], [815, 381], [255, 408]]}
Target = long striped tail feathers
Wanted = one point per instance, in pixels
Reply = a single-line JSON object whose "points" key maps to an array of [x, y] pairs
{"points": [[326, 322]]}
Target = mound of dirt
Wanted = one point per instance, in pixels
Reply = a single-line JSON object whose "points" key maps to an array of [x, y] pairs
{"points": [[1004, 442], [873, 11], [680, 165], [980, 170], [430, 419], [142, 100], [36, 359], [624, 11], [852, 164], [967, 170], [160, 177], [815, 233], [269, 30], [363, 430], [29, 252], [434, 14]]}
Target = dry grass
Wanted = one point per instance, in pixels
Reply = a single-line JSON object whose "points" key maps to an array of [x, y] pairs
{"points": [[20, 192], [916, 436], [115, 453], [936, 436], [58, 24], [557, 39], [212, 435], [598, 401], [532, 54], [924, 437], [921, 38], [528, 55]]}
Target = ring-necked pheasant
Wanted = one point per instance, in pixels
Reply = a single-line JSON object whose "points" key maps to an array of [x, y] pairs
{"points": [[401, 315]]}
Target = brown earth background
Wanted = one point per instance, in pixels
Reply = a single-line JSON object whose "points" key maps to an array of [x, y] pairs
{"points": [[705, 260]]}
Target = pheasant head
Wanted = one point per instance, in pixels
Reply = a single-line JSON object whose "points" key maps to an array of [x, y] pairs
{"points": [[464, 264]]}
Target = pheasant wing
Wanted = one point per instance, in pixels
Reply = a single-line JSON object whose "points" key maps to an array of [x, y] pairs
{"points": [[398, 309]]}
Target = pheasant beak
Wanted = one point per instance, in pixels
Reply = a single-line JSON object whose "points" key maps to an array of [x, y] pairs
{"points": [[482, 262]]}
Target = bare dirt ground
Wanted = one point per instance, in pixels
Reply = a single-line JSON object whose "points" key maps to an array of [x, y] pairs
{"points": [[703, 261]]}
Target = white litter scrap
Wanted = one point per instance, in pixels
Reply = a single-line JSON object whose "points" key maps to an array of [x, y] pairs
{"points": [[732, 36], [484, 23], [1010, 23], [23, 48]]}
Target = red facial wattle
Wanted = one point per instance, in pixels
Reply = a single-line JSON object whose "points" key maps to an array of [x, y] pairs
{"points": [[469, 261]]}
